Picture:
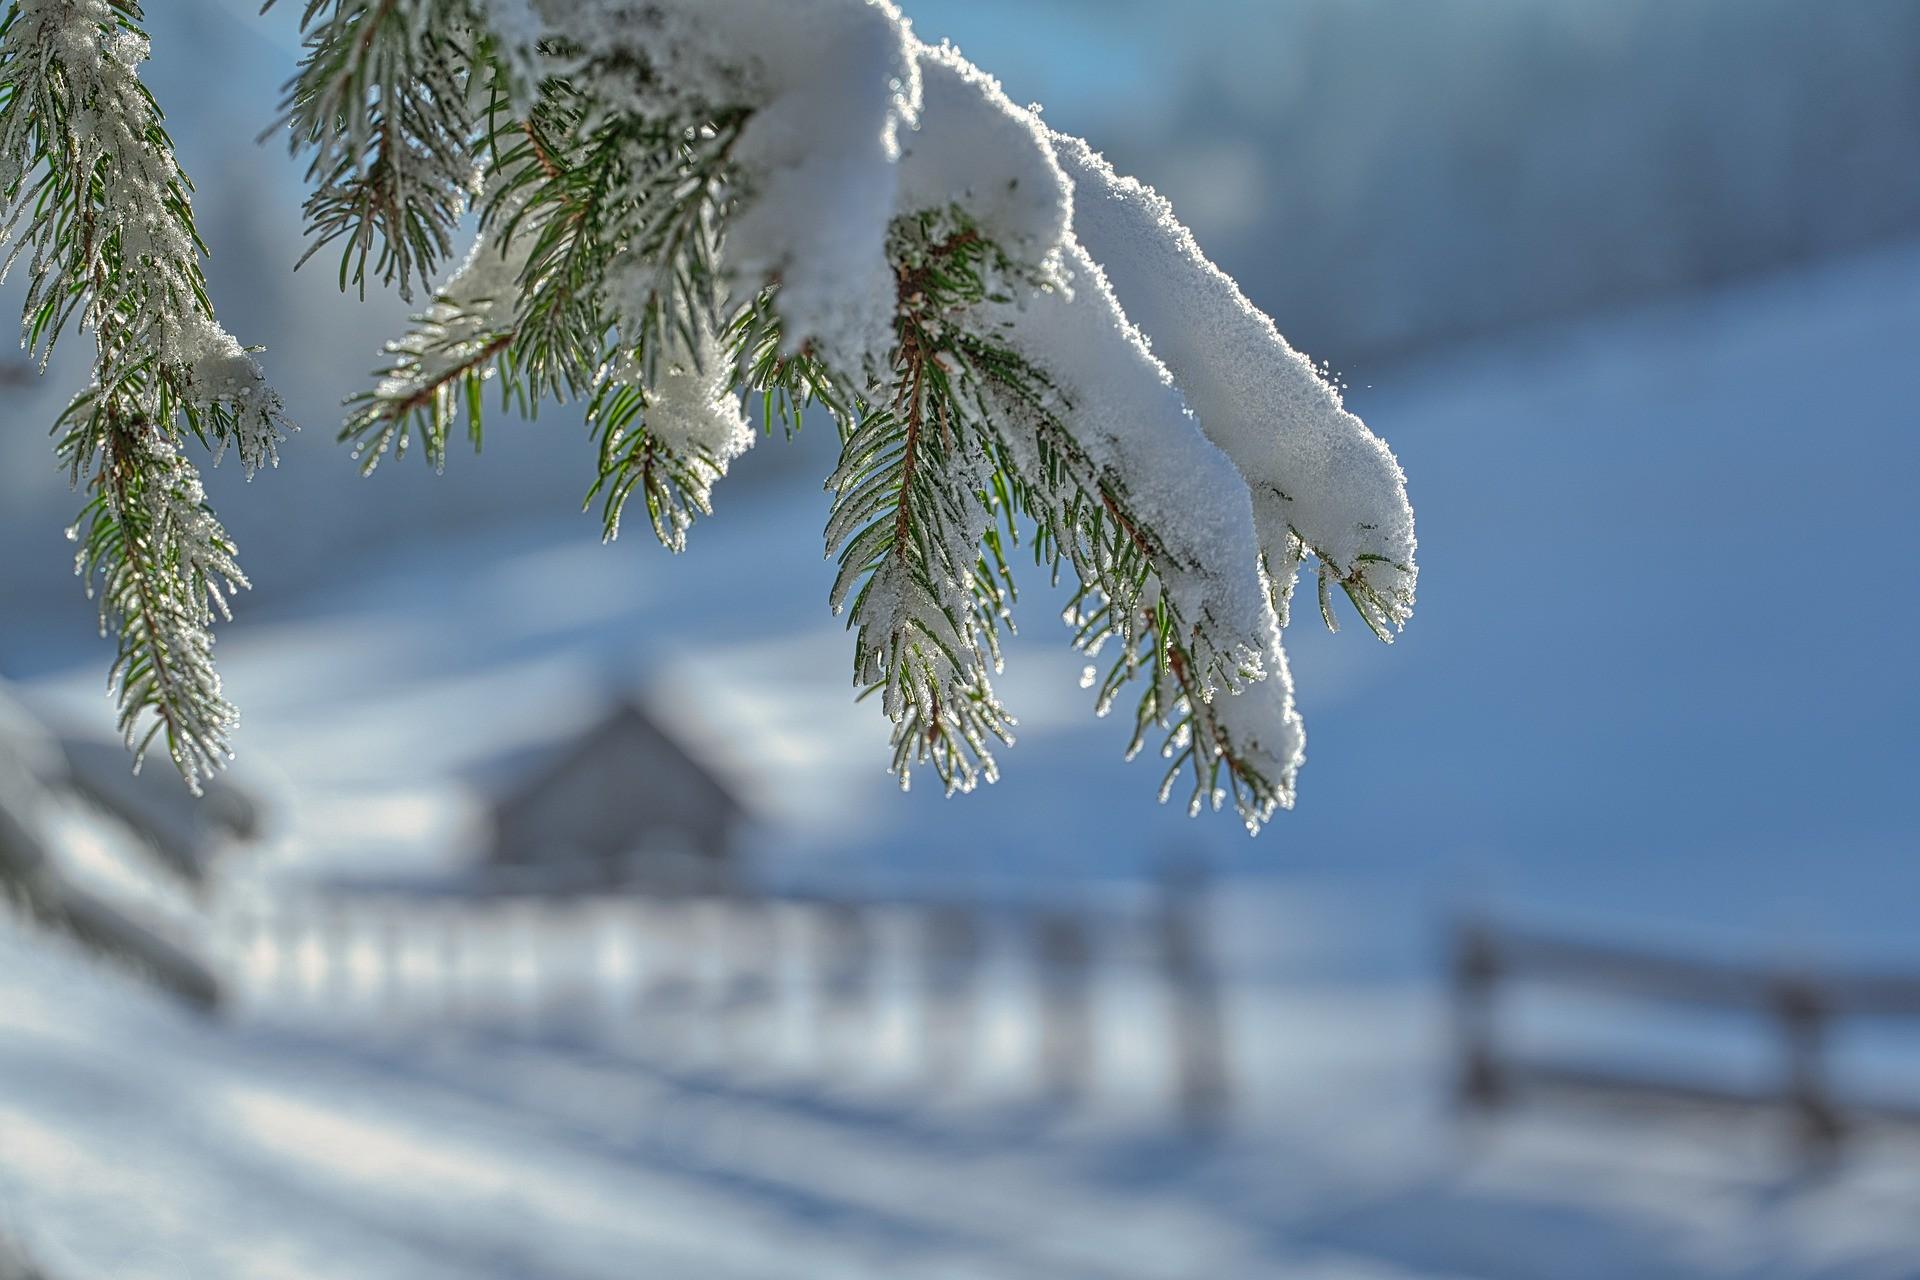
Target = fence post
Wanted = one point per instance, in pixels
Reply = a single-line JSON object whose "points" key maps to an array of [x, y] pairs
{"points": [[391, 953], [1476, 972], [525, 985], [564, 939], [752, 954], [272, 964], [950, 962], [1803, 1018], [667, 990], [450, 986], [846, 974], [1066, 1029], [1199, 1030], [336, 954]]}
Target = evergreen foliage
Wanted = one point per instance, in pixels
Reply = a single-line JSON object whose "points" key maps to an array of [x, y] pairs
{"points": [[678, 204], [92, 199]]}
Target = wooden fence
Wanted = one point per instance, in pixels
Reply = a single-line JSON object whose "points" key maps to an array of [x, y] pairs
{"points": [[1798, 1009], [727, 976]]}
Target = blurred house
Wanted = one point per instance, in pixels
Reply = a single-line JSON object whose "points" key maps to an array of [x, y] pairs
{"points": [[624, 803]]}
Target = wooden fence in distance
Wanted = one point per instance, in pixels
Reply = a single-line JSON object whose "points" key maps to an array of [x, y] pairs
{"points": [[734, 973], [1798, 1008]]}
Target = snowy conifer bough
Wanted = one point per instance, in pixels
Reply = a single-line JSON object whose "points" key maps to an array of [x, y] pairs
{"points": [[91, 199], [683, 200]]}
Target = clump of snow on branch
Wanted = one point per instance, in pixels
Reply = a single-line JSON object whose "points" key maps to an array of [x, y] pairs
{"points": [[1321, 482], [975, 149], [692, 407], [971, 147], [219, 372], [1122, 408], [693, 415]]}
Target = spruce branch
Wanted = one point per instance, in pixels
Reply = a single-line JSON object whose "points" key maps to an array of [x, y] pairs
{"points": [[936, 479], [913, 504], [436, 375], [1083, 517], [670, 214], [384, 102], [154, 557], [93, 196], [598, 254], [624, 216]]}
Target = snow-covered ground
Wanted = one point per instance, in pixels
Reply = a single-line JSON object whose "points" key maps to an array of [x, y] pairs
{"points": [[1658, 684], [137, 1143]]}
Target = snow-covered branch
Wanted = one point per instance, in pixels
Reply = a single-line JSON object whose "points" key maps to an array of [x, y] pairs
{"points": [[1321, 482], [682, 200], [91, 197]]}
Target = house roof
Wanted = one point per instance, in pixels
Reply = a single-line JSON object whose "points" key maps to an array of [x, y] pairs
{"points": [[628, 727]]}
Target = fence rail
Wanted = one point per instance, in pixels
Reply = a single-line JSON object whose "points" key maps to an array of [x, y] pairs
{"points": [[1798, 1006]]}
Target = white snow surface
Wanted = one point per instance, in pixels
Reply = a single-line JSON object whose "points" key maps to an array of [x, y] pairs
{"points": [[829, 84], [136, 1144], [140, 1144], [971, 146], [1315, 471]]}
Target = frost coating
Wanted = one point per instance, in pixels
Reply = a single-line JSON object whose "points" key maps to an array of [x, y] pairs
{"points": [[470, 311], [56, 48], [1318, 476], [693, 412], [98, 209]]}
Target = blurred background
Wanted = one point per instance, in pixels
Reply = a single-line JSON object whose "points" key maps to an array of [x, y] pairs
{"points": [[562, 920]]}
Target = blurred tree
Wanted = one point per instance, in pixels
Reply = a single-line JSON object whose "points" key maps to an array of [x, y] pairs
{"points": [[42, 779], [15, 1264]]}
